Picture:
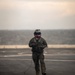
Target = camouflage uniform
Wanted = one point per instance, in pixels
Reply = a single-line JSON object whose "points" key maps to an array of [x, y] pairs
{"points": [[37, 54]]}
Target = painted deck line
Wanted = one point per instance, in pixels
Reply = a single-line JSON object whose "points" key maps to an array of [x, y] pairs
{"points": [[50, 60], [61, 60], [26, 46], [21, 55]]}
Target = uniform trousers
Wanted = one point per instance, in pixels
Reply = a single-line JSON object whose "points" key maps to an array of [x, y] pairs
{"points": [[39, 63]]}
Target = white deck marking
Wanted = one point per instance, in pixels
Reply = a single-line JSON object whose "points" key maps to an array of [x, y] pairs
{"points": [[8, 51], [15, 55], [58, 54], [53, 60], [20, 55], [59, 60]]}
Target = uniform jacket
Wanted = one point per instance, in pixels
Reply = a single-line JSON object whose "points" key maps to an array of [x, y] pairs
{"points": [[37, 45]]}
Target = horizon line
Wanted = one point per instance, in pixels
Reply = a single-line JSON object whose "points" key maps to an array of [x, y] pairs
{"points": [[35, 29]]}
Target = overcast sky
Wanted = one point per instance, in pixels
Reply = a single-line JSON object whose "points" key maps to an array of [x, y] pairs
{"points": [[37, 14]]}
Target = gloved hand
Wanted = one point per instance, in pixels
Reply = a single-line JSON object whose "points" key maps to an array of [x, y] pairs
{"points": [[41, 47], [33, 44]]}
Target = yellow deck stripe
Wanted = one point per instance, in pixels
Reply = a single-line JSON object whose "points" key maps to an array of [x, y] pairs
{"points": [[26, 46]]}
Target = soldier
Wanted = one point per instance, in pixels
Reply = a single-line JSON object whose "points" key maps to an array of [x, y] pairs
{"points": [[38, 44]]}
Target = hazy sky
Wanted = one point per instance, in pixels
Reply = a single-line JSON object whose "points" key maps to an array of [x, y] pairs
{"points": [[34, 14]]}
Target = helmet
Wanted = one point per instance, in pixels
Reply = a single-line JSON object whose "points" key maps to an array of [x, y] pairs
{"points": [[37, 32]]}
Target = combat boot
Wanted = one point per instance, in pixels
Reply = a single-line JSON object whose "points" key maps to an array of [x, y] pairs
{"points": [[43, 73], [37, 73]]}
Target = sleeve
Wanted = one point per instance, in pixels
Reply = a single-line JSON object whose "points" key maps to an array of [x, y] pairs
{"points": [[32, 43], [44, 43]]}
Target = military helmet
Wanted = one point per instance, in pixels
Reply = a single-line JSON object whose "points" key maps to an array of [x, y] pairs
{"points": [[37, 32]]}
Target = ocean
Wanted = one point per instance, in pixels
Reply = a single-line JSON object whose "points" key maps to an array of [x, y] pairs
{"points": [[22, 37]]}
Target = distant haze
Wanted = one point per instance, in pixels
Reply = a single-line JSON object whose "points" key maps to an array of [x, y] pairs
{"points": [[34, 14]]}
